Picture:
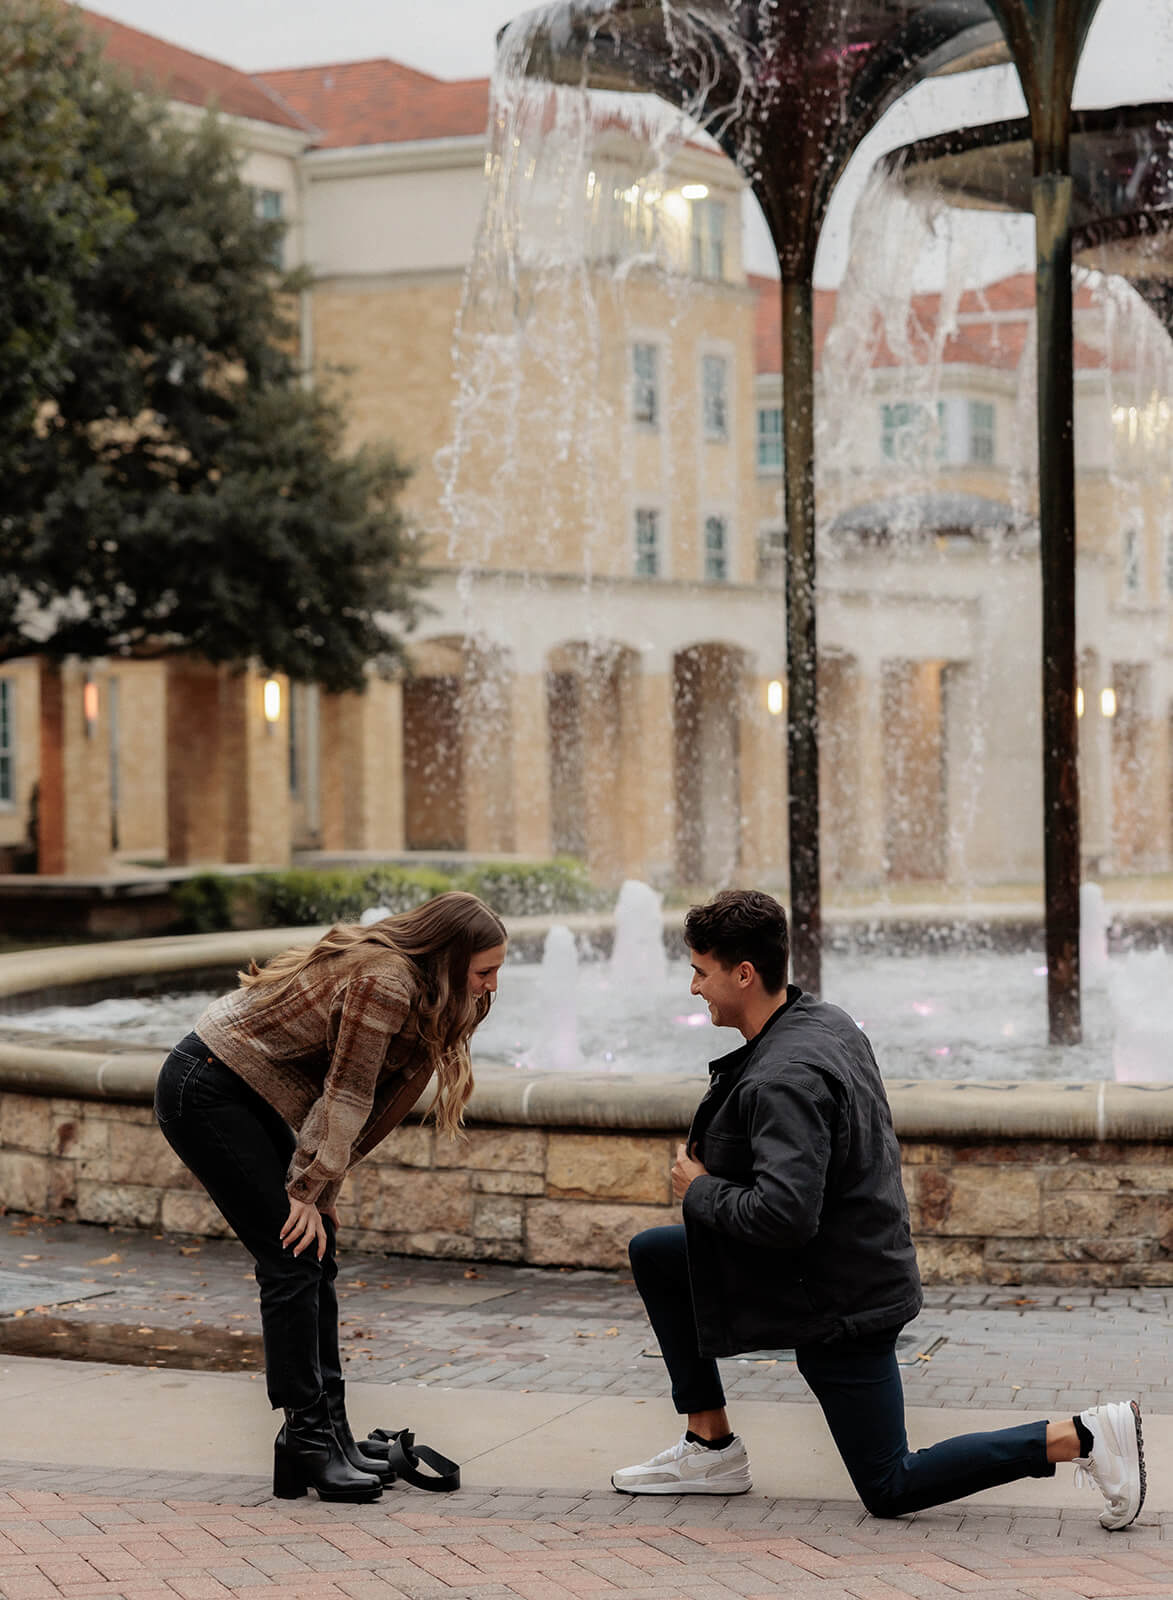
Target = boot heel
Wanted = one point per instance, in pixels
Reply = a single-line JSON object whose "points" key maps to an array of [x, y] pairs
{"points": [[289, 1479]]}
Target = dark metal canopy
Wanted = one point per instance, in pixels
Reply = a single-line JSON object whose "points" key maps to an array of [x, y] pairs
{"points": [[1122, 186], [787, 91]]}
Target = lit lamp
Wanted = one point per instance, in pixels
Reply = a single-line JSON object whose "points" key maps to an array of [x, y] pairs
{"points": [[89, 706], [272, 702], [694, 191], [1079, 702], [1108, 702], [775, 697]]}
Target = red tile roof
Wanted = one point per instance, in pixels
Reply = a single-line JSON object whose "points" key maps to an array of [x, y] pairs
{"points": [[183, 75], [381, 102], [993, 330]]}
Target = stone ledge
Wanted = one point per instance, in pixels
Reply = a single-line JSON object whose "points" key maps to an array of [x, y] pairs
{"points": [[1099, 1112]]}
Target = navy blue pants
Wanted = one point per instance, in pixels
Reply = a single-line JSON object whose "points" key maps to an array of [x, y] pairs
{"points": [[239, 1149], [858, 1385]]}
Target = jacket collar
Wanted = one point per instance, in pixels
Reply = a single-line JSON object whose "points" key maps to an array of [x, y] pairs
{"points": [[737, 1059]]}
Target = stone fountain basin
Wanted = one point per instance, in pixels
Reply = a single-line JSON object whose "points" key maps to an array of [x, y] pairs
{"points": [[1008, 1182]]}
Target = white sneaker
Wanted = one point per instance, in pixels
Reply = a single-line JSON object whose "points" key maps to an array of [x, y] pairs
{"points": [[689, 1468], [1116, 1464]]}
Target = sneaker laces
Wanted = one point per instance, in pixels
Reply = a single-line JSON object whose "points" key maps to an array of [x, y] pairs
{"points": [[674, 1452], [1086, 1477]]}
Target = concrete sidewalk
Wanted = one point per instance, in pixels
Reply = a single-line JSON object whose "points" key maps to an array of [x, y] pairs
{"points": [[151, 1481]]}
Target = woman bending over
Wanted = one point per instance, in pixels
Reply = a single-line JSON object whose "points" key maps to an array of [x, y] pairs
{"points": [[282, 1088]]}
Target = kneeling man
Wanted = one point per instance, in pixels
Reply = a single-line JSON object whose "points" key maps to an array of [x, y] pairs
{"points": [[796, 1234]]}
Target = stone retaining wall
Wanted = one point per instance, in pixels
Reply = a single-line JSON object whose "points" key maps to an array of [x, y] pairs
{"points": [[993, 1210]]}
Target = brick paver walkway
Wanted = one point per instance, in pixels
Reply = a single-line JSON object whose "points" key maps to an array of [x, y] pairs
{"points": [[130, 1535], [155, 1537]]}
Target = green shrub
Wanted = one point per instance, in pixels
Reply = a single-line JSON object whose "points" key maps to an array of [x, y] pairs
{"points": [[534, 888], [305, 897], [205, 902]]}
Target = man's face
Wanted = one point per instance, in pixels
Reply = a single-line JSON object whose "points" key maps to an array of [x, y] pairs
{"points": [[724, 990]]}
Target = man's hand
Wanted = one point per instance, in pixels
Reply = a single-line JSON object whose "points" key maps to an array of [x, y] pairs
{"points": [[303, 1227], [684, 1169]]}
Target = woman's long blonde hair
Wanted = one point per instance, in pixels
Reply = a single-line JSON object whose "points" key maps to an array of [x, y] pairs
{"points": [[439, 940]]}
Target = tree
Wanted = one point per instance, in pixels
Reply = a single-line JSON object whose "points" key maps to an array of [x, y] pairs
{"points": [[180, 489]]}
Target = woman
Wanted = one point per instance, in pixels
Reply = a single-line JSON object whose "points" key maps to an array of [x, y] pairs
{"points": [[288, 1082]]}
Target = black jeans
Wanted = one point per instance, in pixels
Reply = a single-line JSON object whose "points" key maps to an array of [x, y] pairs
{"points": [[239, 1149], [858, 1386]]}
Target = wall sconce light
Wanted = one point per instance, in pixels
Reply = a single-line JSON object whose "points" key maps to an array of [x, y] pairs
{"points": [[89, 706], [1108, 702], [775, 697], [1079, 703], [695, 191], [272, 701]]}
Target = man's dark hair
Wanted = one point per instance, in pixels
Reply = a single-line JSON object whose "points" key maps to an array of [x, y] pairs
{"points": [[742, 925]]}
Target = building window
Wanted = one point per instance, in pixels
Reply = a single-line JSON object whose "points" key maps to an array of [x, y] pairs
{"points": [[981, 432], [270, 207], [1131, 568], [769, 439], [715, 396], [645, 384], [647, 543], [716, 550], [7, 736], [708, 238], [907, 430], [772, 555]]}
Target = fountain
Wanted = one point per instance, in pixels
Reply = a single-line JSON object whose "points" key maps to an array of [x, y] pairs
{"points": [[638, 960], [558, 988]]}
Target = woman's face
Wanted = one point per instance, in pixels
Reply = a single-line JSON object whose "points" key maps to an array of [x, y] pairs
{"points": [[483, 970]]}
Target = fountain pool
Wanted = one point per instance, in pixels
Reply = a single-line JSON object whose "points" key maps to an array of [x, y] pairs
{"points": [[954, 1015]]}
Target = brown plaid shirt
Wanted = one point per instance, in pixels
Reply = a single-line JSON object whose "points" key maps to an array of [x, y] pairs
{"points": [[336, 1052]]}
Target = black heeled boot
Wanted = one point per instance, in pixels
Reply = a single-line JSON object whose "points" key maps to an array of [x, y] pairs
{"points": [[307, 1453], [336, 1403]]}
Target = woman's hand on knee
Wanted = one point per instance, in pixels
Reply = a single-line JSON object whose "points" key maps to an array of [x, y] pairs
{"points": [[303, 1227]]}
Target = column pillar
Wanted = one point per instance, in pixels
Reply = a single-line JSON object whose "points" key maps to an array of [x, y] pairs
{"points": [[649, 770], [259, 812], [73, 808], [530, 765], [763, 783], [486, 730], [870, 786]]}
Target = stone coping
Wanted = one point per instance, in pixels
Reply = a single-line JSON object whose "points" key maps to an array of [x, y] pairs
{"points": [[1028, 1109]]}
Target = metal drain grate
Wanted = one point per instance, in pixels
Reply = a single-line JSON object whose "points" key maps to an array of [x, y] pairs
{"points": [[21, 1292]]}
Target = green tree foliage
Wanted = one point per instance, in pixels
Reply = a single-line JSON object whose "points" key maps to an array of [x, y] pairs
{"points": [[169, 483]]}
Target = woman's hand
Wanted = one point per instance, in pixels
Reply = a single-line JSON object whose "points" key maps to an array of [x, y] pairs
{"points": [[684, 1169], [303, 1226]]}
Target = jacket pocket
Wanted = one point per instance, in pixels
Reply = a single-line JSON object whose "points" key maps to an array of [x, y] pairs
{"points": [[727, 1155]]}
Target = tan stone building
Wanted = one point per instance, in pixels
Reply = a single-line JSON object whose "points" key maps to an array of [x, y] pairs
{"points": [[602, 672]]}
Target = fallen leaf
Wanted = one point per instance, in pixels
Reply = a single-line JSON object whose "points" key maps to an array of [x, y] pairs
{"points": [[611, 1333], [104, 1261], [189, 1249], [471, 1272], [30, 1258]]}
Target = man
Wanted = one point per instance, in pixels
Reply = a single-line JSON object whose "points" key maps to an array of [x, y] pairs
{"points": [[796, 1234]]}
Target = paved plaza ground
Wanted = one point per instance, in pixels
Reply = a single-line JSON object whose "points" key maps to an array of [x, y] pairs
{"points": [[151, 1481]]}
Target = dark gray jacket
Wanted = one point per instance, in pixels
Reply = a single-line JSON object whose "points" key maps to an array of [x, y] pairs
{"points": [[798, 1232]]}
